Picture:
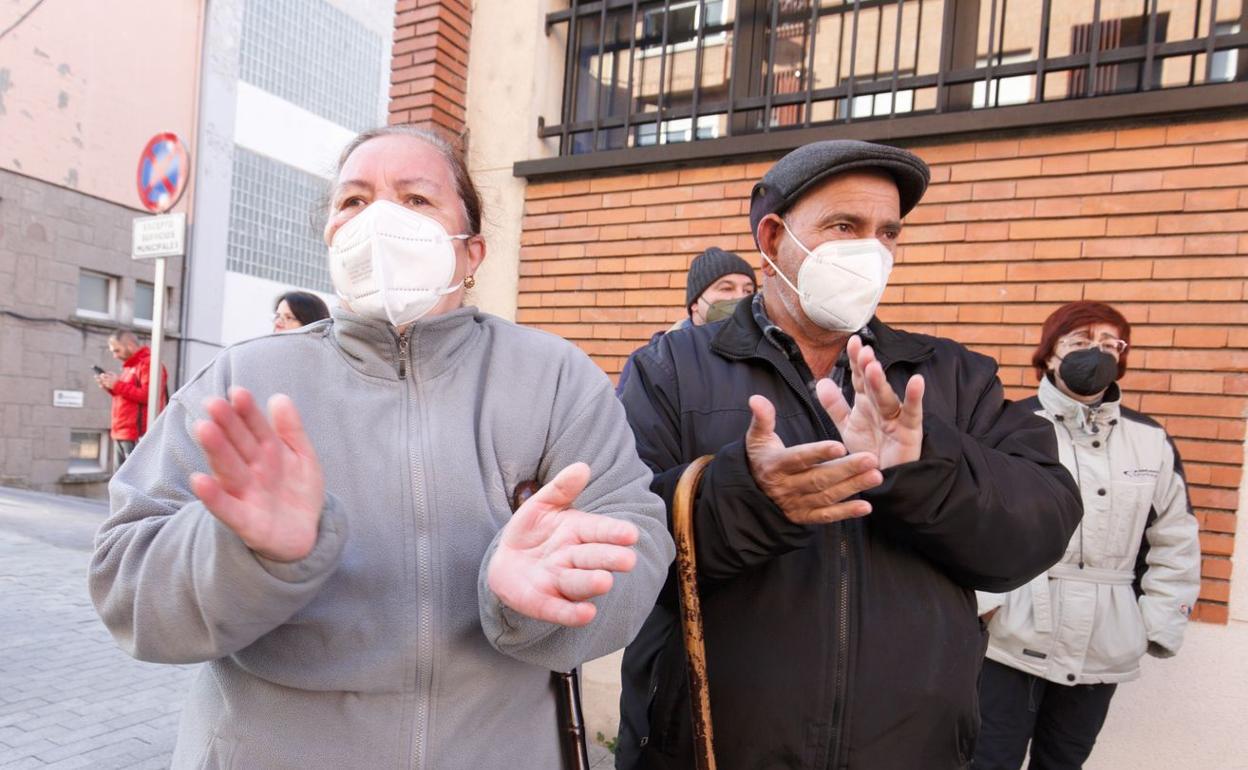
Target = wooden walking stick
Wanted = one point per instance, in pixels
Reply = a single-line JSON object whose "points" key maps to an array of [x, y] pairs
{"points": [[691, 611]]}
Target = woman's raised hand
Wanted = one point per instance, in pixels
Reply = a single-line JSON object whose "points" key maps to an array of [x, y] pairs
{"points": [[266, 483], [552, 559]]}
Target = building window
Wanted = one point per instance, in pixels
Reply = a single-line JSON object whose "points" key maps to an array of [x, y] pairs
{"points": [[646, 73], [293, 61], [1224, 64], [144, 296], [88, 451], [97, 295], [272, 232]]}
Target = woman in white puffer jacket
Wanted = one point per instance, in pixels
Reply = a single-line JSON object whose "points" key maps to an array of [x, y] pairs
{"points": [[1059, 646]]}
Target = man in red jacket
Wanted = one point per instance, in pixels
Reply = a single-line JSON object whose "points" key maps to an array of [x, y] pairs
{"points": [[129, 391]]}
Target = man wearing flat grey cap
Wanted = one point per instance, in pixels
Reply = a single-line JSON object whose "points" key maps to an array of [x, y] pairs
{"points": [[864, 482]]}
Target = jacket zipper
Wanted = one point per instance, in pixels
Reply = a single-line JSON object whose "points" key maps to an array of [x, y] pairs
{"points": [[424, 674], [839, 693], [404, 341]]}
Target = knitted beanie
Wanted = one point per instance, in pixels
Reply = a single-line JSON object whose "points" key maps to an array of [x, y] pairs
{"points": [[708, 267]]}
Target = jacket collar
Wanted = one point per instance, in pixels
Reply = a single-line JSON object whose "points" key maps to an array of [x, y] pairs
{"points": [[741, 337], [140, 355], [434, 344], [1076, 415]]}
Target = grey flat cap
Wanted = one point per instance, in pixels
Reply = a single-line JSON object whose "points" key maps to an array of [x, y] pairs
{"points": [[810, 164]]}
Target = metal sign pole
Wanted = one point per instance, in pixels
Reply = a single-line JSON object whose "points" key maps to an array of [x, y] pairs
{"points": [[154, 388]]}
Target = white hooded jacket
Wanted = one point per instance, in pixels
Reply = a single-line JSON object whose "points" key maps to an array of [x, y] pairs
{"points": [[1131, 572]]}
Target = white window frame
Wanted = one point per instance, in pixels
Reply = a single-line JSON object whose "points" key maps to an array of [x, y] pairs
{"points": [[1225, 62], [112, 281], [106, 448], [715, 38], [1007, 87]]}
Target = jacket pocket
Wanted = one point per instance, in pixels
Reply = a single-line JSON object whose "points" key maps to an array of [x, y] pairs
{"points": [[1130, 505], [1118, 637]]}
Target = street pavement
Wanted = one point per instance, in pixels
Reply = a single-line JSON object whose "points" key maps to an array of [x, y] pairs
{"points": [[69, 698]]}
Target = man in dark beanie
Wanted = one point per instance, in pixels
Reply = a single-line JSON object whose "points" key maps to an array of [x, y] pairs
{"points": [[716, 276], [864, 482], [716, 281]]}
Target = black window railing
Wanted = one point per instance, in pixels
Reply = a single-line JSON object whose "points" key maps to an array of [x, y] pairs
{"points": [[642, 75]]}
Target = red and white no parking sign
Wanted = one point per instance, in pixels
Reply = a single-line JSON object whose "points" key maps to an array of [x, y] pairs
{"points": [[164, 168]]}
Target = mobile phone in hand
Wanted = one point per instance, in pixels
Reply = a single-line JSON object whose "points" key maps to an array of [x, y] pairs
{"points": [[97, 369]]}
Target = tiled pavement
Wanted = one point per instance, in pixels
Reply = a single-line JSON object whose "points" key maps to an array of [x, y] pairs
{"points": [[69, 698]]}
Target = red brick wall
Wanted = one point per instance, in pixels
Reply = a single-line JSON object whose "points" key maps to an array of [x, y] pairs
{"points": [[1151, 219], [429, 63]]}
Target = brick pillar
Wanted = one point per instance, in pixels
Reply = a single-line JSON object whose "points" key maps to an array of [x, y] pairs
{"points": [[429, 64]]}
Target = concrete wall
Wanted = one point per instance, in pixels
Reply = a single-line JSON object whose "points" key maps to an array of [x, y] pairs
{"points": [[83, 86], [47, 235]]}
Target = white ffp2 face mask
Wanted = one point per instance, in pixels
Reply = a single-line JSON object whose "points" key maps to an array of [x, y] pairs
{"points": [[392, 264], [841, 282]]}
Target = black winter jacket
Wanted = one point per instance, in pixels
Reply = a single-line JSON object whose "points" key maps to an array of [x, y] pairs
{"points": [[851, 645]]}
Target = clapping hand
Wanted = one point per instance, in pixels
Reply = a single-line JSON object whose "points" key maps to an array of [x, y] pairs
{"points": [[265, 482], [811, 483], [552, 559], [878, 422]]}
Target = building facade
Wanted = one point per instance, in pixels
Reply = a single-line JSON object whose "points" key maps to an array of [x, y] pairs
{"points": [[276, 110], [75, 113], [1079, 150]]}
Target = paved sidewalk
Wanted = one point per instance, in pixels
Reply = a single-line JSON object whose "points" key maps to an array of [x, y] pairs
{"points": [[69, 698]]}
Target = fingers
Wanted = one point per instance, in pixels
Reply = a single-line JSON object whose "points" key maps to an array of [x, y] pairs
{"points": [[577, 585], [561, 491], [601, 556], [854, 351], [289, 426], [762, 430], [912, 409], [245, 405], [834, 403], [886, 402], [554, 609], [596, 528], [850, 509], [227, 465], [218, 502], [837, 479], [231, 424], [530, 525], [803, 457]]}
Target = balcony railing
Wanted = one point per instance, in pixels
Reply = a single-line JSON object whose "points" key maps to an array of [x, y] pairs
{"points": [[666, 80]]}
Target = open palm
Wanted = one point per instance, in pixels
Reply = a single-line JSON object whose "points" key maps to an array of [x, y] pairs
{"points": [[265, 482], [552, 559], [878, 422]]}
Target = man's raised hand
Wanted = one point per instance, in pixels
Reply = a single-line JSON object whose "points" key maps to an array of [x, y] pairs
{"points": [[878, 422], [811, 483], [552, 559], [265, 482]]}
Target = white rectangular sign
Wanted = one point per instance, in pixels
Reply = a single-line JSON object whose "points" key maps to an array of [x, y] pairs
{"points": [[67, 398], [162, 235]]}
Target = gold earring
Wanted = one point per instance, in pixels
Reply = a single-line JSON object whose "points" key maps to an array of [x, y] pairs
{"points": [[469, 282]]}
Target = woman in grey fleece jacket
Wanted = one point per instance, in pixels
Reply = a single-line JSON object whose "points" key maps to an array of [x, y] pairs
{"points": [[351, 572]]}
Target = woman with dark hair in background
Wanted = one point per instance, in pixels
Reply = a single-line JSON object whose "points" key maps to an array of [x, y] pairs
{"points": [[1059, 646], [298, 308], [349, 566]]}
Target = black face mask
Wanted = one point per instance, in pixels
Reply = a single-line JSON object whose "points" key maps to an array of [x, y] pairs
{"points": [[1088, 372]]}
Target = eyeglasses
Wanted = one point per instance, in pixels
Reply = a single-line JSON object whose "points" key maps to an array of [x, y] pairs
{"points": [[1110, 345], [284, 318]]}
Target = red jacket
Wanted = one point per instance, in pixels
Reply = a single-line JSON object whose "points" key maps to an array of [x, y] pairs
{"points": [[130, 396]]}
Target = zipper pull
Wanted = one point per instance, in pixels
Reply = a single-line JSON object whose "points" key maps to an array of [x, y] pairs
{"points": [[403, 343]]}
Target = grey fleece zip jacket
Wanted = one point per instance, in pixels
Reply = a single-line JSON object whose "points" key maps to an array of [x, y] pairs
{"points": [[383, 648]]}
